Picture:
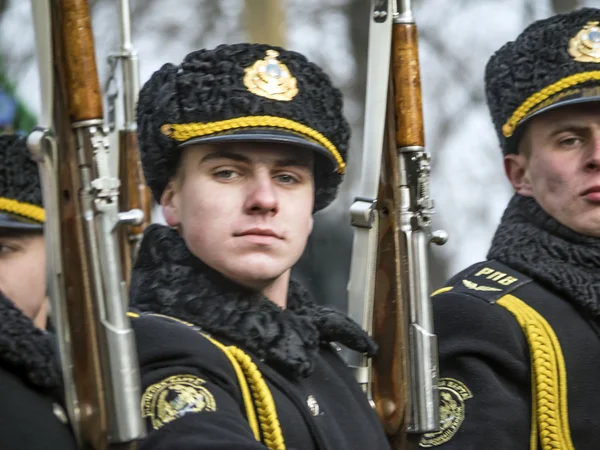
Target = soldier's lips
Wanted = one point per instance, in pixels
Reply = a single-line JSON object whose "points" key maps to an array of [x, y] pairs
{"points": [[592, 194], [260, 235], [260, 239]]}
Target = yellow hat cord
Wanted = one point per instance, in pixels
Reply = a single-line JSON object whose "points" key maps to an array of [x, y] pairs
{"points": [[535, 99], [185, 131], [23, 209]]}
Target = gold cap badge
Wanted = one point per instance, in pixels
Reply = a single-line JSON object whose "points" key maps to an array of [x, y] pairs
{"points": [[585, 45], [271, 78]]}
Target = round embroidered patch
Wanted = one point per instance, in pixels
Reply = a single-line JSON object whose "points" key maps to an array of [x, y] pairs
{"points": [[453, 394], [175, 397]]}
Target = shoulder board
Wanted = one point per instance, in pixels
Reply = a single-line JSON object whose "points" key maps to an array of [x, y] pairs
{"points": [[488, 281], [139, 315]]}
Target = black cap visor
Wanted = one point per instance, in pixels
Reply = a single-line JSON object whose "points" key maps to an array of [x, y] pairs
{"points": [[265, 134], [567, 97], [16, 222]]}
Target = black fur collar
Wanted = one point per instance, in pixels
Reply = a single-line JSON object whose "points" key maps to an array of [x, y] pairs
{"points": [[534, 243], [168, 279], [25, 350]]}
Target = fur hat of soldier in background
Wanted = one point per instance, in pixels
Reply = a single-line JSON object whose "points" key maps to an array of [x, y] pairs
{"points": [[21, 204], [554, 62], [242, 92]]}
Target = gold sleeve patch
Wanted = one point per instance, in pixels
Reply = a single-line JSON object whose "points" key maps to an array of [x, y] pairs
{"points": [[175, 397], [453, 394]]}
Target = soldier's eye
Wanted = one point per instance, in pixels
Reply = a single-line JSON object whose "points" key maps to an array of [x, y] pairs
{"points": [[226, 174], [570, 141], [287, 178], [6, 249]]}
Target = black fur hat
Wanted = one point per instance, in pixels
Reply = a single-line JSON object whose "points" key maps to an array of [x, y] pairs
{"points": [[553, 62], [20, 191], [249, 92]]}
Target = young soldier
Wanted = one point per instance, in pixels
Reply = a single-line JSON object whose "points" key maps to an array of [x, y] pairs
{"points": [[241, 145], [31, 416], [519, 334]]}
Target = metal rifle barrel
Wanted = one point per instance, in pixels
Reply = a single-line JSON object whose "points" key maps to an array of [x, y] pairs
{"points": [[134, 192], [415, 223], [90, 215]]}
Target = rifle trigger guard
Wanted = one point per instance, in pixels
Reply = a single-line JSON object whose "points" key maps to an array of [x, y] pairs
{"points": [[362, 212]]}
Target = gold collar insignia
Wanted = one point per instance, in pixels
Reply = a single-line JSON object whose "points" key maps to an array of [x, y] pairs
{"points": [[271, 78], [585, 45]]}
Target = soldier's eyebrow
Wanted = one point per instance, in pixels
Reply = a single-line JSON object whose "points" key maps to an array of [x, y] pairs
{"points": [[10, 233], [239, 157], [568, 126], [224, 154], [294, 162]]}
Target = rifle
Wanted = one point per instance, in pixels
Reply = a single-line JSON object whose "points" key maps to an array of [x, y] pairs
{"points": [[391, 216], [134, 194], [87, 294]]}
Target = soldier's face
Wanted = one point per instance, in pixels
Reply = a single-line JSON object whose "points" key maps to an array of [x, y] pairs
{"points": [[244, 209], [562, 167], [22, 273]]}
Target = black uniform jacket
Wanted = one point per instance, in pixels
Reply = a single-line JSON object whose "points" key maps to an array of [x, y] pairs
{"points": [[31, 416], [486, 365], [326, 410], [213, 354]]}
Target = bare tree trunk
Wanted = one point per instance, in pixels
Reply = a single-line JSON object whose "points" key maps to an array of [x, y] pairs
{"points": [[562, 6], [265, 22]]}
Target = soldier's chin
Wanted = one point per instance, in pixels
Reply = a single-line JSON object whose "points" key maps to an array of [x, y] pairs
{"points": [[255, 271]]}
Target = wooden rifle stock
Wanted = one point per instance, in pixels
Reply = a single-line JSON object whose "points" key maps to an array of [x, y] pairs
{"points": [[407, 86], [77, 98], [402, 385], [390, 308], [84, 95], [134, 194]]}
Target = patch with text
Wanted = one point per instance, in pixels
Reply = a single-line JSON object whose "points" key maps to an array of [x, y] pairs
{"points": [[175, 397], [490, 281], [453, 395]]}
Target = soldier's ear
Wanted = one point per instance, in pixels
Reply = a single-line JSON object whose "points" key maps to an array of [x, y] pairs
{"points": [[169, 201], [516, 168]]}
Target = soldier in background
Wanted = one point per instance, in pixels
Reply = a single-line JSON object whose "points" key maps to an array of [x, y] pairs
{"points": [[241, 145], [519, 334], [31, 416]]}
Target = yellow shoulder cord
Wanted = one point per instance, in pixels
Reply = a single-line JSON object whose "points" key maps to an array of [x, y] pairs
{"points": [[245, 369], [549, 378]]}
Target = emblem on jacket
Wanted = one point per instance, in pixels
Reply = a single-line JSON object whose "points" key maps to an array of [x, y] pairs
{"points": [[271, 78], [174, 397], [476, 287], [453, 394], [313, 405], [585, 45]]}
